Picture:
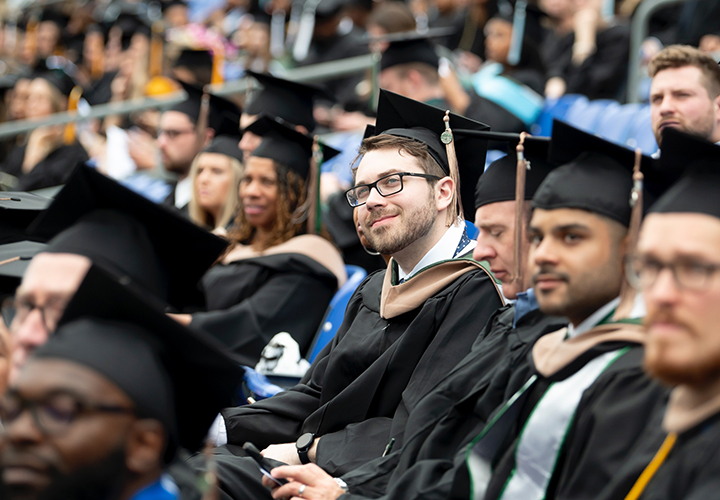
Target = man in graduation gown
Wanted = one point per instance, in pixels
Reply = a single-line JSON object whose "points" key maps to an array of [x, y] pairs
{"points": [[441, 421], [404, 328], [95, 220], [676, 268], [105, 405]]}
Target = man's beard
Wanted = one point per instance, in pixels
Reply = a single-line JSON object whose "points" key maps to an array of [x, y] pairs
{"points": [[416, 225], [102, 480], [703, 130]]}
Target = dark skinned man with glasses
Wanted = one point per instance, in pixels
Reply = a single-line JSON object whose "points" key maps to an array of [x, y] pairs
{"points": [[676, 267], [102, 408], [404, 328]]}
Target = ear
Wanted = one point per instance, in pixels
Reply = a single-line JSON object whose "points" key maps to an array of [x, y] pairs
{"points": [[145, 446], [444, 191]]}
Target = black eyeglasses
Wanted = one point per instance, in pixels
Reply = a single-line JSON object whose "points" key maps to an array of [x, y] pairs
{"points": [[385, 186], [689, 274], [53, 415], [20, 308]]}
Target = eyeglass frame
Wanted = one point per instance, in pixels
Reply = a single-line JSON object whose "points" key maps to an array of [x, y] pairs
{"points": [[81, 408], [4, 306], [633, 278], [372, 185]]}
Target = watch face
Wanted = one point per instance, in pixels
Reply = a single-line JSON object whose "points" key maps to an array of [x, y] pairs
{"points": [[304, 441]]}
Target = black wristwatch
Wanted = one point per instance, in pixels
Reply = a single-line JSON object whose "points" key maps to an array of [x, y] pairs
{"points": [[303, 445]]}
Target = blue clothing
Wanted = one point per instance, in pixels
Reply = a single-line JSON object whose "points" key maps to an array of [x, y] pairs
{"points": [[525, 303], [162, 489]]}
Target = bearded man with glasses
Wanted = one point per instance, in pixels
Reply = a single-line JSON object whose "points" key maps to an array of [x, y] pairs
{"points": [[676, 268]]}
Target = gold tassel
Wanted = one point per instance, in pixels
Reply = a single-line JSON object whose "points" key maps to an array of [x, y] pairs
{"points": [[313, 190], [156, 49], [627, 292], [69, 132], [97, 65], [522, 167], [455, 210], [31, 36], [218, 63]]}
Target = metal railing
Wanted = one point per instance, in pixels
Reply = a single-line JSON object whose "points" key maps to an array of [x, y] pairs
{"points": [[638, 33], [314, 73]]}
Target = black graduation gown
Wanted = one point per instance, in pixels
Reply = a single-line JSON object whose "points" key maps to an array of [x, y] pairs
{"points": [[363, 383], [449, 417], [251, 300], [611, 415], [602, 74], [169, 202], [691, 471], [53, 170]]}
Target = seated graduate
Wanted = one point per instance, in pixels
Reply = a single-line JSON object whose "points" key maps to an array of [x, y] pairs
{"points": [[404, 327], [278, 276], [105, 406], [95, 220], [578, 395], [676, 268], [48, 156], [215, 175]]}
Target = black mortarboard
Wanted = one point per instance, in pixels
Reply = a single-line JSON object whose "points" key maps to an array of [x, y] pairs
{"points": [[194, 59], [130, 236], [596, 175], [14, 260], [58, 79], [226, 145], [498, 182], [224, 116], [17, 211], [404, 117], [171, 373], [55, 16], [413, 49], [291, 101], [696, 160], [131, 24], [369, 131], [191, 105], [328, 9], [286, 145]]}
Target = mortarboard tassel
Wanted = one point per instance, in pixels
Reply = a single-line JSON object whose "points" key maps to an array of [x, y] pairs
{"points": [[522, 167], [313, 187], [455, 210], [31, 35], [69, 133], [97, 65], [158, 84], [218, 63], [202, 122], [627, 292]]}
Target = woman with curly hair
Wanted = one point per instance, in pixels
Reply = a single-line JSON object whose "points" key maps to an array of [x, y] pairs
{"points": [[276, 276]]}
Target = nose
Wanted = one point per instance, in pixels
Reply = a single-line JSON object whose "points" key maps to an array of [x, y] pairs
{"points": [[23, 429], [31, 333], [667, 106], [543, 253], [664, 290], [162, 141], [375, 199], [483, 251]]}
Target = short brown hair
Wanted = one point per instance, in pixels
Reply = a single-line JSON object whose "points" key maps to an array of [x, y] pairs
{"points": [[679, 56], [403, 145]]}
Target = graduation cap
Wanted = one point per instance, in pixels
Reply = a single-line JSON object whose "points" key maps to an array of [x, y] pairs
{"points": [[285, 145], [225, 145], [191, 105], [178, 376], [291, 101], [14, 259], [404, 117], [131, 24], [55, 16], [695, 162], [17, 211], [224, 116], [412, 48], [58, 78], [498, 183], [596, 175], [194, 60], [130, 236]]}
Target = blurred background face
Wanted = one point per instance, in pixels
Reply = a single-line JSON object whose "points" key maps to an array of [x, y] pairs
{"points": [[18, 104], [683, 343], [498, 34], [259, 192], [213, 180], [41, 99], [177, 141], [48, 36]]}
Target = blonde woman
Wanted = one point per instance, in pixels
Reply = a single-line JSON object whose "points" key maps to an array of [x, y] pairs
{"points": [[215, 175]]}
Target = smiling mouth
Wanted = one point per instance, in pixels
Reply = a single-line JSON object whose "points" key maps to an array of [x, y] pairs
{"points": [[382, 220], [253, 209]]}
